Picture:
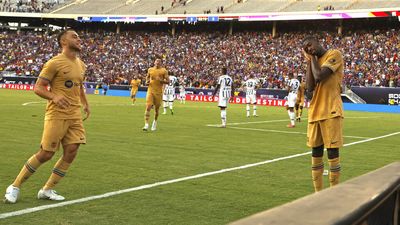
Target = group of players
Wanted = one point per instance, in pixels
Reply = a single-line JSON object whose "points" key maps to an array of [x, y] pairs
{"points": [[159, 81], [61, 83]]}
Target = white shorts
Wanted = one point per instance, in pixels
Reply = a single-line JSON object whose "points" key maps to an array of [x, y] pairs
{"points": [[291, 101], [168, 98], [182, 95], [251, 99], [223, 102]]}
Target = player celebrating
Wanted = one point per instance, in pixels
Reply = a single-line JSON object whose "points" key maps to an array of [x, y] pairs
{"points": [[225, 87], [63, 124], [325, 114], [300, 98], [293, 87], [251, 86], [169, 94], [156, 77], [135, 83]]}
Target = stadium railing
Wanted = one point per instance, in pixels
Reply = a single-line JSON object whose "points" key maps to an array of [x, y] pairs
{"points": [[371, 199]]}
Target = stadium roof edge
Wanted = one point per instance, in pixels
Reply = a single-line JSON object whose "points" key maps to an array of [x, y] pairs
{"points": [[269, 16]]}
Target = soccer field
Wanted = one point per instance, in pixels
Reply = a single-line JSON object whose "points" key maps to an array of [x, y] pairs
{"points": [[185, 172]]}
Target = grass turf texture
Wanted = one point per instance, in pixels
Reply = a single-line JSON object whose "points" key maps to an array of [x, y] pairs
{"points": [[119, 155]]}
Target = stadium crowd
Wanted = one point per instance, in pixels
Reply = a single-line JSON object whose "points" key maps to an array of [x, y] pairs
{"points": [[31, 6], [370, 57]]}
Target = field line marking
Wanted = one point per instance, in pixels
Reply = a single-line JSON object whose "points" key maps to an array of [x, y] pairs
{"points": [[147, 186], [282, 120], [285, 132], [252, 122], [371, 139], [29, 103]]}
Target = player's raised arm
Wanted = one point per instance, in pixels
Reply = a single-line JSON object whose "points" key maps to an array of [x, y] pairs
{"points": [[148, 78], [310, 81], [319, 73]]}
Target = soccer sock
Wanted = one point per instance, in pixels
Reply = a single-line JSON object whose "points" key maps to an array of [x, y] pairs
{"points": [[165, 105], [334, 171], [223, 116], [292, 118], [27, 170], [248, 109], [317, 170], [59, 171], [300, 111], [254, 110], [171, 105]]}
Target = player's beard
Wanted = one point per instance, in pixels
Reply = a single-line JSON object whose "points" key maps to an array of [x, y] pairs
{"points": [[75, 48]]}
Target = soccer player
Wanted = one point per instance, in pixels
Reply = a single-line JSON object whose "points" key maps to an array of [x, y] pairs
{"points": [[325, 114], [135, 83], [182, 93], [251, 86], [293, 87], [156, 77], [169, 94], [300, 98], [63, 124], [225, 87]]}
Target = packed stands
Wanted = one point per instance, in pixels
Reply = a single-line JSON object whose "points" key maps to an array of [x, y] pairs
{"points": [[29, 6], [371, 57]]}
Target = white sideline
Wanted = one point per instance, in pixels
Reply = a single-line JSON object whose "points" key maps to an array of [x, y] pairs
{"points": [[147, 186], [285, 132], [28, 103], [282, 120], [253, 122]]}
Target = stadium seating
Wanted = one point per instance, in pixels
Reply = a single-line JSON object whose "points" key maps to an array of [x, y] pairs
{"points": [[198, 6], [317, 5], [199, 55], [141, 7], [253, 6], [31, 6], [91, 6], [367, 4]]}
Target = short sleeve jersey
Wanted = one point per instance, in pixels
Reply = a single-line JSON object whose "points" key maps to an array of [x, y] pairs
{"points": [[327, 102], [154, 76], [66, 78]]}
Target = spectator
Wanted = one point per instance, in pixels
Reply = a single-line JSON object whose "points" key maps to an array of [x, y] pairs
{"points": [[370, 57]]}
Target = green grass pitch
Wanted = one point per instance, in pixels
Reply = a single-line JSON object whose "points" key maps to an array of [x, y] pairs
{"points": [[119, 156]]}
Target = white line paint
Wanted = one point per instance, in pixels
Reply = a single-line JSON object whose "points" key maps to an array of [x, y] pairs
{"points": [[372, 139], [252, 122], [285, 132], [282, 120], [148, 186], [29, 103]]}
